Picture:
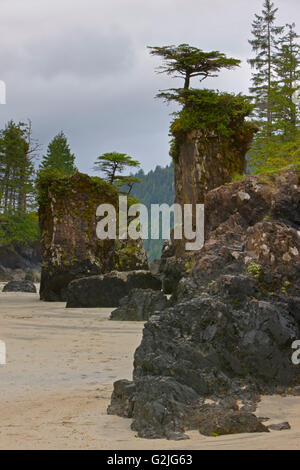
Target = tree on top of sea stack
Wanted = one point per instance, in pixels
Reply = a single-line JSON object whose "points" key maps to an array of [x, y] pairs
{"points": [[187, 62], [113, 165], [59, 156]]}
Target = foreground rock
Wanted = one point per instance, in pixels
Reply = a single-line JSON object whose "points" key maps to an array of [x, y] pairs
{"points": [[227, 337], [20, 286], [70, 247], [107, 290], [139, 305]]}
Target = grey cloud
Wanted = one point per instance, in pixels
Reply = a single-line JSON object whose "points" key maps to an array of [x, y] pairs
{"points": [[83, 66]]}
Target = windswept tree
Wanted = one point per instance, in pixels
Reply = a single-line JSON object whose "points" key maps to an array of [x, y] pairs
{"points": [[187, 62], [113, 165], [265, 36], [59, 156], [125, 183]]}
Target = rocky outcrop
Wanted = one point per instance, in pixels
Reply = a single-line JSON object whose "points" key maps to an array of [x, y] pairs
{"points": [[19, 286], [107, 290], [205, 161], [70, 247], [18, 261], [227, 338], [139, 305]]}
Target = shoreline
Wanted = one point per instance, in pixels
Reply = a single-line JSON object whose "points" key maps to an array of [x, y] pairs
{"points": [[57, 383]]}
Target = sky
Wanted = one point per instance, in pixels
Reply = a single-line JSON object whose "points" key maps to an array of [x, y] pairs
{"points": [[83, 67]]}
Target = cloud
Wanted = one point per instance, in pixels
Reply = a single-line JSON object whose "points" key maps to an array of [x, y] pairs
{"points": [[83, 66]]}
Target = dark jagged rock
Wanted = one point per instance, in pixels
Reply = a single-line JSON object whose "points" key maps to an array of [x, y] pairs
{"points": [[139, 305], [20, 286], [217, 420], [107, 290], [70, 246], [228, 333]]}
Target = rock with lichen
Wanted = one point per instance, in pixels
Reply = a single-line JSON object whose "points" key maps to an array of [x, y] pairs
{"points": [[69, 243]]}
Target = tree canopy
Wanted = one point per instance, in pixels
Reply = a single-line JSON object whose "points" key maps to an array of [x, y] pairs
{"points": [[113, 165], [187, 62]]}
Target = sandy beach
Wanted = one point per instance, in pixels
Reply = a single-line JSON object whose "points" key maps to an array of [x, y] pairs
{"points": [[56, 385]]}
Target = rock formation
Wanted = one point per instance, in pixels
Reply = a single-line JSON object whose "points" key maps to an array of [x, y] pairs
{"points": [[139, 305], [107, 290], [207, 159], [18, 261], [227, 338], [70, 247], [19, 286]]}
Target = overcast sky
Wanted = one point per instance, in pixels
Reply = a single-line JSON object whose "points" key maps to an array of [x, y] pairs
{"points": [[82, 66]]}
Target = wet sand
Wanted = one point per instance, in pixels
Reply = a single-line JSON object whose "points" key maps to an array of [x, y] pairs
{"points": [[56, 385]]}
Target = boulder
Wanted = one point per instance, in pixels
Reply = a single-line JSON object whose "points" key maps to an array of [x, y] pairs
{"points": [[19, 286], [107, 290], [280, 426], [139, 305], [215, 420]]}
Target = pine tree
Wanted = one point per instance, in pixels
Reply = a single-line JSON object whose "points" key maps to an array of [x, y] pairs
{"points": [[16, 167], [59, 156], [113, 165], [287, 68], [188, 62], [265, 34]]}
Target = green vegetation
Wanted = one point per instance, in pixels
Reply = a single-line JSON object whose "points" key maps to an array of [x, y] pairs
{"points": [[188, 62], [156, 187], [18, 220], [208, 110], [254, 269], [269, 157], [275, 81], [18, 228], [112, 165], [59, 156], [16, 168]]}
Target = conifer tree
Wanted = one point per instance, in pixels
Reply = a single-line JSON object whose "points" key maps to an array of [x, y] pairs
{"points": [[265, 34], [188, 62], [113, 165], [287, 68], [16, 167], [59, 156]]}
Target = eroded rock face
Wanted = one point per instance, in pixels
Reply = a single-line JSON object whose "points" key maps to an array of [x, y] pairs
{"points": [[107, 290], [206, 161], [227, 336], [70, 247], [139, 305], [19, 286]]}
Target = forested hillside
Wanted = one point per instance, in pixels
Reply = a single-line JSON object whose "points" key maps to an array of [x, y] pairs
{"points": [[156, 187]]}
